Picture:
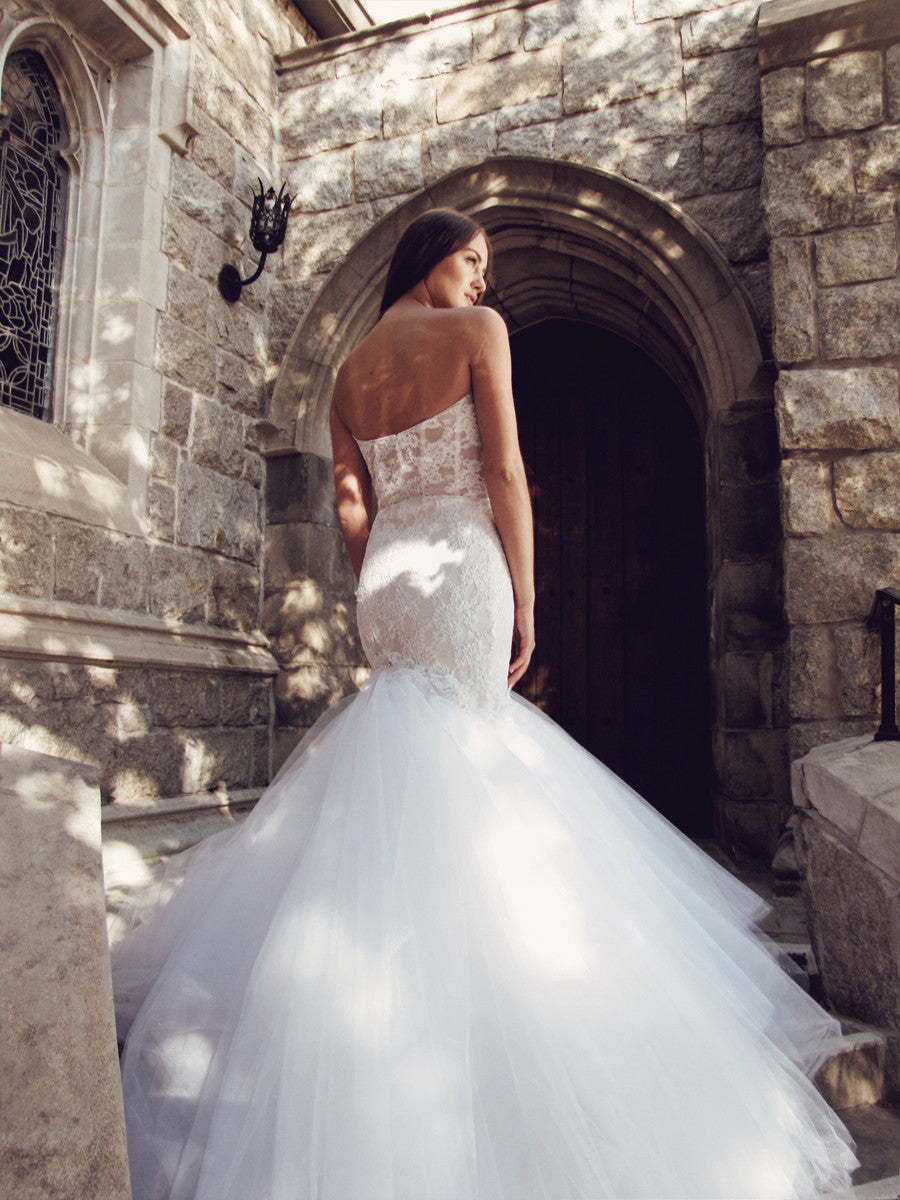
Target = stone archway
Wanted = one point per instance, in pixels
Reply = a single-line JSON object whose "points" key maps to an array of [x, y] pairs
{"points": [[573, 243]]}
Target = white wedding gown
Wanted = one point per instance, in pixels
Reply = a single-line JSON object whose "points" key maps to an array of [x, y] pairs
{"points": [[450, 956]]}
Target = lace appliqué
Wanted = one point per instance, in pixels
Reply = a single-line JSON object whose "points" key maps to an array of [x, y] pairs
{"points": [[435, 595]]}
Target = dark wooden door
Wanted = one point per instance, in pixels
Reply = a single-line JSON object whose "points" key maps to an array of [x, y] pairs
{"points": [[615, 467]]}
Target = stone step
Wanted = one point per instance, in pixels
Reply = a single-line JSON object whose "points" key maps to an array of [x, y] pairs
{"points": [[855, 1076]]}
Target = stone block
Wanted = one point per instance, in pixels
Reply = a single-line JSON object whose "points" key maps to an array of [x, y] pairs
{"points": [[534, 112], [204, 200], [306, 624], [217, 438], [497, 35], [297, 553], [811, 673], [852, 914], [228, 103], [163, 459], [793, 293], [178, 583], [751, 829], [260, 758], [328, 116], [409, 106], [185, 356], [732, 157], [176, 413], [722, 88], [387, 168], [188, 298], [834, 578], [302, 693], [289, 302], [618, 66], [185, 699], [747, 681], [806, 498], [843, 93], [751, 603], [434, 52], [809, 187], [812, 734], [180, 237], [856, 255], [245, 700], [783, 99], [26, 683], [96, 566], [240, 384], [855, 1076], [876, 159], [656, 116], [241, 330], [756, 281], [861, 320], [323, 182], [300, 488], [212, 150], [852, 408], [321, 241], [592, 138], [26, 552], [725, 28], [457, 145], [533, 140], [735, 221], [551, 24], [755, 763], [63, 1127], [750, 520], [161, 510], [214, 759], [892, 72], [218, 514], [491, 85], [147, 767], [233, 594], [857, 651], [867, 490], [669, 166]]}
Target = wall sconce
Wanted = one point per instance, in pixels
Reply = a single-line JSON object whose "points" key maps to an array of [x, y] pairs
{"points": [[268, 225]]}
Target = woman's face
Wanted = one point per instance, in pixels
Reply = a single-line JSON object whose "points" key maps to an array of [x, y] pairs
{"points": [[458, 280]]}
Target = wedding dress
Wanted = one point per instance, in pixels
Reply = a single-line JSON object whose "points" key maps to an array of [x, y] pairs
{"points": [[450, 956]]}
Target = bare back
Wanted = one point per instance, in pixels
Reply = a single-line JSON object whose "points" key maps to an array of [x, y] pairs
{"points": [[415, 363]]}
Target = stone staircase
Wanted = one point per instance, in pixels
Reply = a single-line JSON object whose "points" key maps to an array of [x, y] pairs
{"points": [[854, 1081]]}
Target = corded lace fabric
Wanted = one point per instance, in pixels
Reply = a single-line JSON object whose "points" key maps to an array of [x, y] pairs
{"points": [[451, 956], [434, 594]]}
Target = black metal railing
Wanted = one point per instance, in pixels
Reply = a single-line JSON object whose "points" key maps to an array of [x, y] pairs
{"points": [[882, 618]]}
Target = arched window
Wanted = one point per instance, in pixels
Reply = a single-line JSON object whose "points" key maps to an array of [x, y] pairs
{"points": [[33, 186]]}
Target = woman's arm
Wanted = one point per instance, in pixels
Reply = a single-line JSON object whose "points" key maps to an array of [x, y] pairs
{"points": [[353, 489], [505, 473]]}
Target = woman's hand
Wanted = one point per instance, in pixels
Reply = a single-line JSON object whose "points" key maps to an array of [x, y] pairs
{"points": [[523, 643]]}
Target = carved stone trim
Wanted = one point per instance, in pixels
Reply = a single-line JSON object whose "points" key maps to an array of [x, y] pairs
{"points": [[59, 632]]}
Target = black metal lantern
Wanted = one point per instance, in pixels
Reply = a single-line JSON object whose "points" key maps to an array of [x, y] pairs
{"points": [[268, 225]]}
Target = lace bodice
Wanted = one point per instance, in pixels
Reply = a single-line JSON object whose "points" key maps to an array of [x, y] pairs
{"points": [[435, 595], [438, 456]]}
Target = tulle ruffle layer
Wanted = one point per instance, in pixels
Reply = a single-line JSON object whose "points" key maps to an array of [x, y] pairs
{"points": [[446, 959]]}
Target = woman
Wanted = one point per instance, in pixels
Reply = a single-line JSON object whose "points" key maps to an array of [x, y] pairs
{"points": [[450, 956]]}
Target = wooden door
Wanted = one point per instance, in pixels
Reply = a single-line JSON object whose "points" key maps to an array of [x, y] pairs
{"points": [[615, 467]]}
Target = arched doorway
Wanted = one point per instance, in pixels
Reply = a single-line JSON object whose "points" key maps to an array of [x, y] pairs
{"points": [[585, 246], [614, 459]]}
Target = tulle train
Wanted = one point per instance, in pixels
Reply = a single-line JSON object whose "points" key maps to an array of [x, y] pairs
{"points": [[448, 959]]}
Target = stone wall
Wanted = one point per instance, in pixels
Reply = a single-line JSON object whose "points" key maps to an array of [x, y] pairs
{"points": [[831, 124], [131, 528]]}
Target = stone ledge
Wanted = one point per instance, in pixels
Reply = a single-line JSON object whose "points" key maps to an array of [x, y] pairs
{"points": [[63, 1130], [794, 31], [60, 632]]}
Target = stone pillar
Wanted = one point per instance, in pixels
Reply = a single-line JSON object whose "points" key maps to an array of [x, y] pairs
{"points": [[831, 126], [63, 1133]]}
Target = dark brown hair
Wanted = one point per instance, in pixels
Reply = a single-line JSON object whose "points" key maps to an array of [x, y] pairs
{"points": [[431, 237]]}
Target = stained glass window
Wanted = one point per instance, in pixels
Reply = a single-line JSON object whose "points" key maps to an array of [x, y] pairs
{"points": [[33, 185]]}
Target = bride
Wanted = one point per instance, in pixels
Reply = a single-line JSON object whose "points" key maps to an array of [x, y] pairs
{"points": [[450, 956]]}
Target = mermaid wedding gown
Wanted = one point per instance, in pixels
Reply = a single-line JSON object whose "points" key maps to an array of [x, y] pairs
{"points": [[450, 956]]}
